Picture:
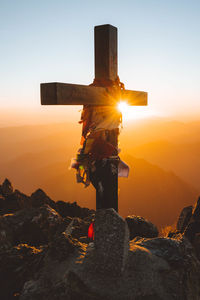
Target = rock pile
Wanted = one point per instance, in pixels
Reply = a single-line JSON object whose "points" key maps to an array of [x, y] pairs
{"points": [[188, 224], [45, 252]]}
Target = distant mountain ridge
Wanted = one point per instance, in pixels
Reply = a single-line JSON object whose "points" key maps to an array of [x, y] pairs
{"points": [[183, 159], [147, 188], [33, 156]]}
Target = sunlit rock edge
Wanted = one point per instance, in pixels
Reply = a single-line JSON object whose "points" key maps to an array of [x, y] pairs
{"points": [[45, 252]]}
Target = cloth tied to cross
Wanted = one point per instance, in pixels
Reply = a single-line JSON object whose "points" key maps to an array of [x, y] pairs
{"points": [[98, 123], [98, 161]]}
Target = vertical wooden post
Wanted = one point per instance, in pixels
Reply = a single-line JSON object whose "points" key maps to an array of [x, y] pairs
{"points": [[106, 69], [105, 38]]}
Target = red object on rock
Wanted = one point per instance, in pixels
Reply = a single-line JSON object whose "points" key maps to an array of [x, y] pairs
{"points": [[91, 231]]}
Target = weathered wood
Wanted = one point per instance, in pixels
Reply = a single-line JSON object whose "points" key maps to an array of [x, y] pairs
{"points": [[56, 93], [105, 177], [71, 94], [134, 97], [105, 181], [105, 52]]}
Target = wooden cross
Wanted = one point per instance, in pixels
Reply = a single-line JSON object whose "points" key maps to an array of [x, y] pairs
{"points": [[105, 94]]}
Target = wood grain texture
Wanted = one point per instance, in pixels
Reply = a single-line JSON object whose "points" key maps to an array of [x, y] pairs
{"points": [[105, 177], [105, 37], [56, 93], [136, 98]]}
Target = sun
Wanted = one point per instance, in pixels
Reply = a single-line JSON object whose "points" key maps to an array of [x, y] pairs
{"points": [[134, 112], [122, 106]]}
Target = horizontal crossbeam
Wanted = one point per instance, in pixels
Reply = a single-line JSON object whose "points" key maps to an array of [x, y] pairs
{"points": [[56, 93]]}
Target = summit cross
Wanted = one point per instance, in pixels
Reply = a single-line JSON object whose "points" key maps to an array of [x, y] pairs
{"points": [[104, 91]]}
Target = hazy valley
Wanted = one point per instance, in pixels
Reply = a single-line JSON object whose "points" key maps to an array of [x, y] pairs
{"points": [[163, 157]]}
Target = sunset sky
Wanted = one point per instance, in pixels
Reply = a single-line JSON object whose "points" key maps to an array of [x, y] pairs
{"points": [[43, 41]]}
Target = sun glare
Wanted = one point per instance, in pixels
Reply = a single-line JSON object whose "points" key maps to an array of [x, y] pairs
{"points": [[122, 106], [134, 112]]}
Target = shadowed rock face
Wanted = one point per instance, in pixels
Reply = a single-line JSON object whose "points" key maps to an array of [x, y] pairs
{"points": [[139, 226], [184, 218], [43, 256], [32, 226]]}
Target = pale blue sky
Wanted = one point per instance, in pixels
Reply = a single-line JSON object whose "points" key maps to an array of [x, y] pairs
{"points": [[159, 48]]}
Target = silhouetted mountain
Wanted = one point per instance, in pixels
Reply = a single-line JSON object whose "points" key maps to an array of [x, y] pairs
{"points": [[149, 191], [183, 159]]}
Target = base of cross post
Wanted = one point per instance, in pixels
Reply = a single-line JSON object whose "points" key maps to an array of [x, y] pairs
{"points": [[105, 181]]}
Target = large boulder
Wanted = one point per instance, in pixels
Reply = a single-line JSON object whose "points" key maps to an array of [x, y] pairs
{"points": [[164, 268], [35, 226], [111, 241], [139, 226], [158, 268]]}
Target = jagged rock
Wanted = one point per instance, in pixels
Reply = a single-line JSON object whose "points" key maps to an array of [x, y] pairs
{"points": [[164, 268], [78, 228], [52, 280], [72, 210], [15, 201], [158, 268], [34, 226], [111, 241], [168, 249], [61, 246], [17, 265], [196, 212], [57, 266], [193, 227], [39, 198], [139, 226], [6, 188], [184, 218]]}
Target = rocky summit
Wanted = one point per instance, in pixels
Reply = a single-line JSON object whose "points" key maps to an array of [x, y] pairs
{"points": [[45, 252]]}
